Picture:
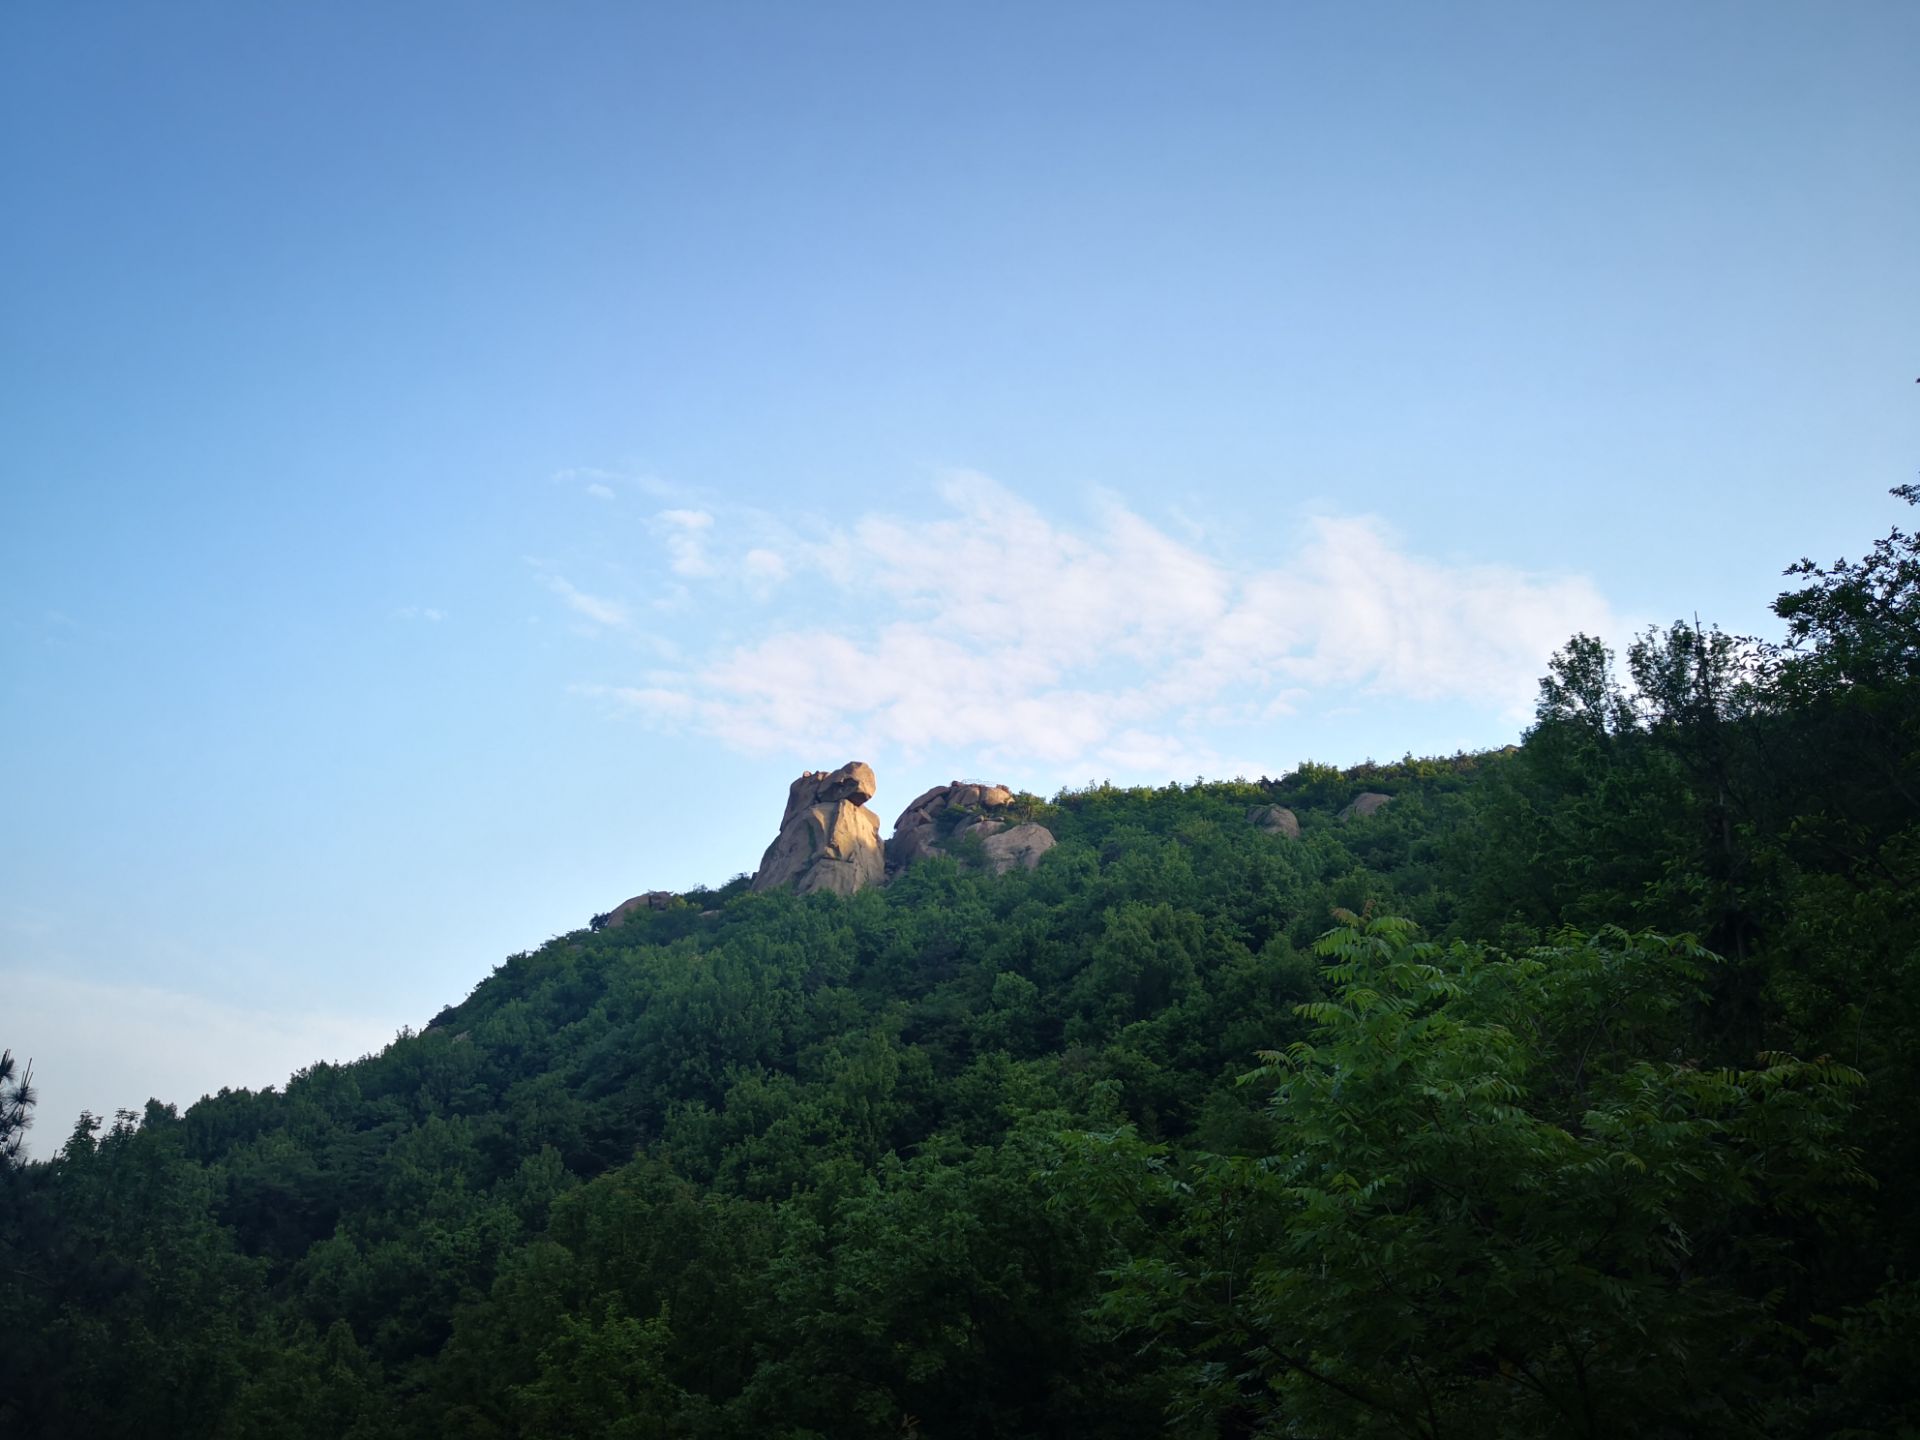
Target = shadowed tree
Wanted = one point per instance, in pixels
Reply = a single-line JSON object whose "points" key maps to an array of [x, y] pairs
{"points": [[16, 1107]]}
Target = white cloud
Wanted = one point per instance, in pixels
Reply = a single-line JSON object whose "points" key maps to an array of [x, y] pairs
{"points": [[605, 484], [764, 567], [685, 534], [103, 1047], [998, 630], [420, 612], [602, 612]]}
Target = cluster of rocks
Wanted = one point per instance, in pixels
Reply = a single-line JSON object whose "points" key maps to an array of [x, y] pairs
{"points": [[947, 814], [1278, 820], [829, 839]]}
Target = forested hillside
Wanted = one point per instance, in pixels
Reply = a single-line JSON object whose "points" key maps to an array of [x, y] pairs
{"points": [[1569, 1093]]}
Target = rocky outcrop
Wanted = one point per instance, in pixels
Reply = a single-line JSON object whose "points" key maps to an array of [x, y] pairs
{"points": [[621, 913], [1275, 820], [947, 813], [1014, 845], [1365, 805], [828, 839], [937, 814]]}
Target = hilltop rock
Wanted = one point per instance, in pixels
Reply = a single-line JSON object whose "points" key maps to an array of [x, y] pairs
{"points": [[932, 823], [1365, 805], [1021, 845], [1276, 820], [828, 839], [626, 909], [851, 782]]}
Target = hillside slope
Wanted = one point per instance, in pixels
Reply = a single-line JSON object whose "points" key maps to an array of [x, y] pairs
{"points": [[1568, 1093]]}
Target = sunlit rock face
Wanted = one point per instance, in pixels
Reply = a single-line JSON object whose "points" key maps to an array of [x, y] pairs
{"points": [[828, 839], [948, 813]]}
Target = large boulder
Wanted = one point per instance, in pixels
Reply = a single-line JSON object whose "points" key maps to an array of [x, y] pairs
{"points": [[946, 813], [1020, 845], [1365, 804], [828, 839], [1275, 820], [621, 913]]}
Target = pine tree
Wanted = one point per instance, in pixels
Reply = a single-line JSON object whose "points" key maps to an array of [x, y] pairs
{"points": [[16, 1104]]}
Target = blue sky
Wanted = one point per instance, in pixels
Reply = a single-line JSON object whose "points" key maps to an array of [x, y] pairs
{"points": [[459, 461]]}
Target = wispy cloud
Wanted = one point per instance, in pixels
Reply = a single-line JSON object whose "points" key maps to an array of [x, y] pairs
{"points": [[610, 613], [685, 535], [420, 612], [997, 629], [764, 567], [604, 484]]}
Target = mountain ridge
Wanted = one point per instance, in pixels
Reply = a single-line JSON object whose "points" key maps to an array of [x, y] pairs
{"points": [[1562, 1089]]}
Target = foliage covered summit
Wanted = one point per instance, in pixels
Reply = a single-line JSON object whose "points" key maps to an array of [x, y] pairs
{"points": [[1570, 1094]]}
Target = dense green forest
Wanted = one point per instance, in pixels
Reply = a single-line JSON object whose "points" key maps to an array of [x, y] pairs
{"points": [[1571, 1093]]}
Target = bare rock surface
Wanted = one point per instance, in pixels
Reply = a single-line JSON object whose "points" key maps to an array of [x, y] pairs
{"points": [[1275, 820], [1365, 805], [946, 813], [851, 782], [828, 839], [1022, 845], [626, 909]]}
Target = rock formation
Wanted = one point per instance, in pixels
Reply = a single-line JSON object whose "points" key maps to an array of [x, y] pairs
{"points": [[1020, 845], [946, 813], [652, 900], [1276, 820], [1365, 805], [828, 839]]}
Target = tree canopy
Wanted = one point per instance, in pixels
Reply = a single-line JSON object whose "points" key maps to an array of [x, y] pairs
{"points": [[1569, 1094]]}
